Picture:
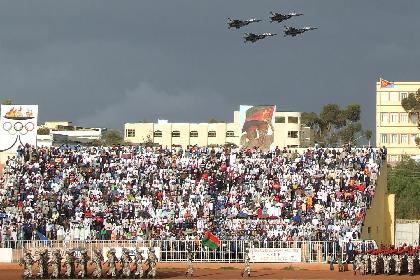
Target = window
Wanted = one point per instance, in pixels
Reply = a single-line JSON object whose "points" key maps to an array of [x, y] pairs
{"points": [[403, 117], [130, 133], [394, 138], [292, 134], [413, 118], [157, 133], [211, 133], [394, 97], [194, 133], [280, 119], [230, 133], [384, 138], [384, 118], [394, 117], [403, 95], [293, 120], [176, 133], [404, 138], [413, 139], [384, 97]]}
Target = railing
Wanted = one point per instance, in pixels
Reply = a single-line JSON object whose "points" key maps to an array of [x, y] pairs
{"points": [[230, 251]]}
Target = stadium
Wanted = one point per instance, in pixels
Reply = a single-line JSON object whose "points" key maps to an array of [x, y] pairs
{"points": [[103, 211], [165, 175]]}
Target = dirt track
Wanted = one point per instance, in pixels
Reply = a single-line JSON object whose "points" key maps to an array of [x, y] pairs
{"points": [[232, 271]]}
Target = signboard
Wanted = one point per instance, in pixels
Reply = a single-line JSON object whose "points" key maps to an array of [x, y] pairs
{"points": [[18, 126], [132, 250], [287, 255], [257, 126]]}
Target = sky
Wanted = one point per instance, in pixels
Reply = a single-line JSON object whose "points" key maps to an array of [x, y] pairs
{"points": [[103, 63]]}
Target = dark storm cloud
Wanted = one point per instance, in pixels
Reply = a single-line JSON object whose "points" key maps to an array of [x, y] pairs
{"points": [[103, 63]]}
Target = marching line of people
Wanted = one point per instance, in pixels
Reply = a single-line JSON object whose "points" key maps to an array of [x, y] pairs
{"points": [[388, 261], [130, 267]]}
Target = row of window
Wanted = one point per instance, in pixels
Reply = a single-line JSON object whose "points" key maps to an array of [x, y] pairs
{"points": [[398, 118], [177, 133], [393, 96], [289, 119], [394, 138], [194, 133]]}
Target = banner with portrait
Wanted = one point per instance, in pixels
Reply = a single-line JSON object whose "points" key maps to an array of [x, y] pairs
{"points": [[257, 126], [18, 126]]}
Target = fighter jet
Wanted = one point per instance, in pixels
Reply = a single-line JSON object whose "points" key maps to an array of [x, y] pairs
{"points": [[280, 17], [292, 31], [237, 23], [251, 37]]}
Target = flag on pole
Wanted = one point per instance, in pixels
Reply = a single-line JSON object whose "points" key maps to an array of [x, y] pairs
{"points": [[386, 84], [210, 240]]}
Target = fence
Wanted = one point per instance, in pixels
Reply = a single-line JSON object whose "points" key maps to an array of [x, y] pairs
{"points": [[230, 251]]}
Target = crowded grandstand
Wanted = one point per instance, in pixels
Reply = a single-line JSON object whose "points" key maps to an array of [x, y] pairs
{"points": [[143, 193]]}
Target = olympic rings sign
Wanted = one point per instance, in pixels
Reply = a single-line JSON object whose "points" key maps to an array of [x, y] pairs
{"points": [[18, 127]]}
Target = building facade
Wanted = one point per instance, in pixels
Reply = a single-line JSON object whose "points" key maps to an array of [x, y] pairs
{"points": [[288, 132], [68, 129], [395, 128]]}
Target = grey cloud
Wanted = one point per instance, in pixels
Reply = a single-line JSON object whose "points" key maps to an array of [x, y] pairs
{"points": [[146, 102]]}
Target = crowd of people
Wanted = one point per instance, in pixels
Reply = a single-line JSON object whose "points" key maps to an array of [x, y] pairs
{"points": [[143, 193]]}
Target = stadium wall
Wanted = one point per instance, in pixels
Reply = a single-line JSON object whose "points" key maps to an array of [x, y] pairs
{"points": [[379, 222]]}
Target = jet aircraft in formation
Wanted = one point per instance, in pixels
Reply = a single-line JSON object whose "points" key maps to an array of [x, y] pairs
{"points": [[237, 23], [277, 17], [281, 17], [252, 37], [293, 31]]}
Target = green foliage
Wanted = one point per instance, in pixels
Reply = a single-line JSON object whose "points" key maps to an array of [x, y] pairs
{"points": [[43, 131], [348, 134], [404, 181], [352, 112], [112, 137], [334, 125], [7, 102], [309, 119], [331, 114], [368, 134], [411, 104]]}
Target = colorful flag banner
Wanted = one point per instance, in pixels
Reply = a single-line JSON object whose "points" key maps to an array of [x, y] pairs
{"points": [[386, 84], [210, 240]]}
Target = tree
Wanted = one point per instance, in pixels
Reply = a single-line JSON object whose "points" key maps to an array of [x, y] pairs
{"points": [[148, 141], [43, 131], [404, 181], [214, 120], [335, 125], [348, 133], [7, 102], [352, 112], [112, 137], [309, 119], [411, 104], [368, 135]]}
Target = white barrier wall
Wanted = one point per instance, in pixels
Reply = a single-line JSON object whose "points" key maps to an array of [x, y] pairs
{"points": [[6, 255], [270, 255]]}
